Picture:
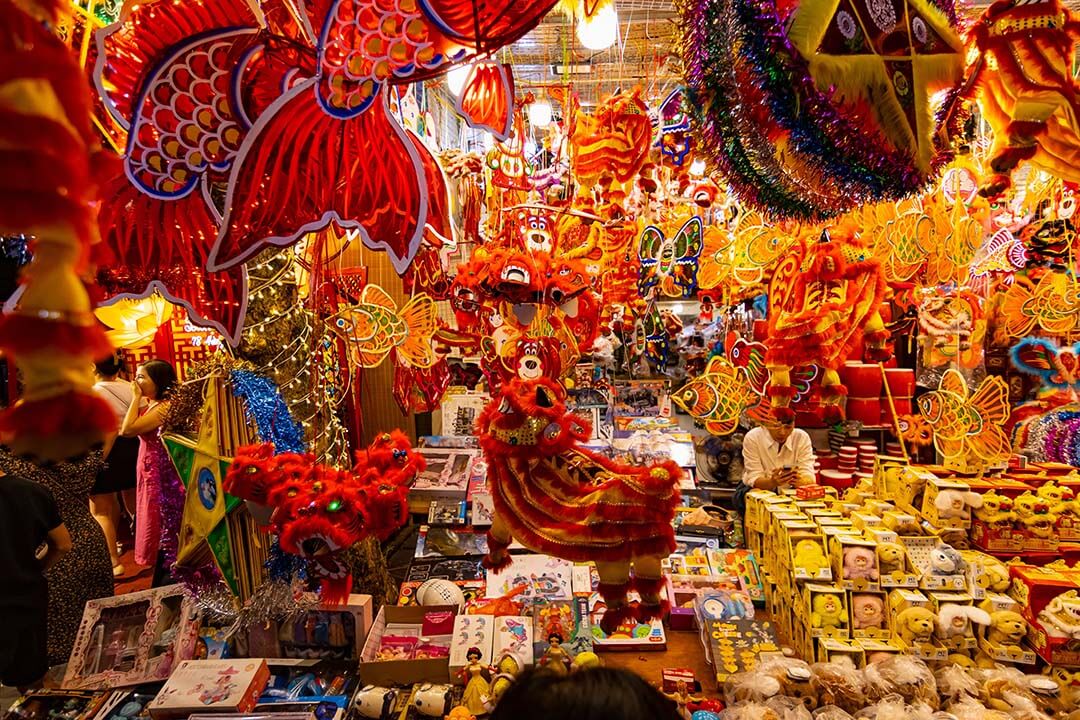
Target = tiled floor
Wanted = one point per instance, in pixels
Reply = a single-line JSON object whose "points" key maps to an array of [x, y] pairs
{"points": [[135, 578]]}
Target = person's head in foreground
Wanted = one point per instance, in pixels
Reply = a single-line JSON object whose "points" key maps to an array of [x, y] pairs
{"points": [[593, 694]]}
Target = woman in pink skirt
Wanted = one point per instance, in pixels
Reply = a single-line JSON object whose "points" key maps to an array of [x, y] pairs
{"points": [[159, 492]]}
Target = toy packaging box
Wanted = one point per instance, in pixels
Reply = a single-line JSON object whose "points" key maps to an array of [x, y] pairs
{"points": [[210, 686], [407, 670], [132, 639], [57, 705], [570, 619], [734, 646], [328, 633], [471, 631]]}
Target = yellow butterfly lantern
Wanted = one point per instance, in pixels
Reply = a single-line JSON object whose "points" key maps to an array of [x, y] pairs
{"points": [[134, 323], [967, 428]]}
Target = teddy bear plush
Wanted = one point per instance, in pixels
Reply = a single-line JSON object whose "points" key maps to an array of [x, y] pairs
{"points": [[828, 612], [1006, 628], [890, 558], [860, 563], [867, 611], [915, 625]]}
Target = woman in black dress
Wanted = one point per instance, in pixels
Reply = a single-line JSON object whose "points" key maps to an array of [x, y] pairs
{"points": [[120, 454]]}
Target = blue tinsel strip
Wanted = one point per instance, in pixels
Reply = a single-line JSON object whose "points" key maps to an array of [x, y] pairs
{"points": [[263, 404]]}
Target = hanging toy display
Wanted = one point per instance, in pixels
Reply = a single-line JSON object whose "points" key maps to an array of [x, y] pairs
{"points": [[320, 511], [51, 162], [241, 121], [824, 304], [1023, 80], [555, 497], [812, 107], [951, 333]]}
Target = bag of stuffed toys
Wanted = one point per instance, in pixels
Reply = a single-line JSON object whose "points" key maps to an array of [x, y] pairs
{"points": [[897, 687]]}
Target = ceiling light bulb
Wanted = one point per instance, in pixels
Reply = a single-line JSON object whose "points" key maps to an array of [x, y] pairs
{"points": [[600, 31], [540, 114], [456, 78]]}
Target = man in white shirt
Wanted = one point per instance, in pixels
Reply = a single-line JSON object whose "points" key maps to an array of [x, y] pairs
{"points": [[777, 455]]}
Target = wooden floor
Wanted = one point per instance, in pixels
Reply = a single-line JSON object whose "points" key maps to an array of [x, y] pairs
{"points": [[683, 651], [134, 578]]}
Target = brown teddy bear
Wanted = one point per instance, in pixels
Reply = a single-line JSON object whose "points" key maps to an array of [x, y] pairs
{"points": [[1006, 628], [915, 625]]}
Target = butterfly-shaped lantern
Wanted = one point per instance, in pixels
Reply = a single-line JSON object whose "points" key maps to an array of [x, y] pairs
{"points": [[670, 264]]}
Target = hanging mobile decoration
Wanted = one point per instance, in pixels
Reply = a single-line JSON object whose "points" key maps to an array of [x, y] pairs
{"points": [[813, 107], [374, 327], [1050, 302]]}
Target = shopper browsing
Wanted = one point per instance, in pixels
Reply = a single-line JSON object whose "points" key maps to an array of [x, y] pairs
{"points": [[775, 455]]}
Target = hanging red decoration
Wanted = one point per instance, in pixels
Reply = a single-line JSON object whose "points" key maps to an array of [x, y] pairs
{"points": [[249, 128], [51, 161], [320, 511]]}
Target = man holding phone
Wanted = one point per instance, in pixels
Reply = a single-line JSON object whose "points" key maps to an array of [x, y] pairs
{"points": [[777, 455]]}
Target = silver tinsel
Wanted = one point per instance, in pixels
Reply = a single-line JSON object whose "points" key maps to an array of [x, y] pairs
{"points": [[273, 601]]}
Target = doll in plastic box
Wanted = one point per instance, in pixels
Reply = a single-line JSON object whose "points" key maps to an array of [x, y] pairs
{"points": [[555, 658]]}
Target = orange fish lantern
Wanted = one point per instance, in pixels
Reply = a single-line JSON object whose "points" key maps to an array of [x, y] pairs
{"points": [[252, 124]]}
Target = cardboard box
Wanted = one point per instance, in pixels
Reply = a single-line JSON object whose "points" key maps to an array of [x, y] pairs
{"points": [[997, 537], [312, 634], [919, 551], [857, 602], [948, 503], [210, 686], [514, 635], [826, 608], [831, 649], [952, 641], [855, 564], [387, 673], [132, 639]]}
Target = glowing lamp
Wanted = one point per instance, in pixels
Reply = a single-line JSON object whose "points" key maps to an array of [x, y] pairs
{"points": [[540, 114], [599, 31]]}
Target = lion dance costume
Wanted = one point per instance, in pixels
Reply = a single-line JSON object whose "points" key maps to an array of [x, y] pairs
{"points": [[557, 498], [320, 511]]}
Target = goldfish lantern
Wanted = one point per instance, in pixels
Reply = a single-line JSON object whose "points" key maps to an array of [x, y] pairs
{"points": [[812, 107], [968, 427], [718, 396], [824, 303], [250, 129]]}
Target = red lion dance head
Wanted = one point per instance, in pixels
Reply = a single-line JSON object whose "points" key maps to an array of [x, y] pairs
{"points": [[320, 511]]}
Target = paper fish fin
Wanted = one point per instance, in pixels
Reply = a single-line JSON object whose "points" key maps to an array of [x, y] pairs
{"points": [[420, 317], [375, 295]]}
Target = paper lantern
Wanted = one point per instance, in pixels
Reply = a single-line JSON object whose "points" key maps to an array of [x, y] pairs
{"points": [[134, 323]]}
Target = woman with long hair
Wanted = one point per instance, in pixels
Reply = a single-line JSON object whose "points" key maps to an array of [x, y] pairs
{"points": [[158, 489], [120, 455]]}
